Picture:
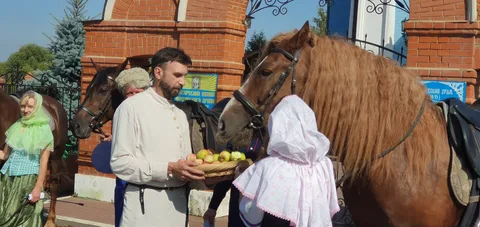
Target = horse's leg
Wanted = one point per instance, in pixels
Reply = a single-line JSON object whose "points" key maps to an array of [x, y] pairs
{"points": [[55, 167]]}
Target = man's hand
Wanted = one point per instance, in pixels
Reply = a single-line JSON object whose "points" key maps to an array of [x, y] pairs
{"points": [[106, 137], [210, 216], [183, 170]]}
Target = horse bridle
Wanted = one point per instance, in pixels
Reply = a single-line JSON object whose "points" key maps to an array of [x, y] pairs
{"points": [[257, 120], [95, 122]]}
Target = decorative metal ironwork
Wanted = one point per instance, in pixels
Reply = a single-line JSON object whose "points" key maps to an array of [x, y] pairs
{"points": [[379, 7], [323, 3], [382, 50], [277, 5]]}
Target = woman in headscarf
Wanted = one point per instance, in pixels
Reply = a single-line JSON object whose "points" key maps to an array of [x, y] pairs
{"points": [[27, 150], [294, 185]]}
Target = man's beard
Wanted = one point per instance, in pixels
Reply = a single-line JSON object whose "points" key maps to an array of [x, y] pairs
{"points": [[167, 92]]}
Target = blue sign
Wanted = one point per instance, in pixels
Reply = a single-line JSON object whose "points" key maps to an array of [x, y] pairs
{"points": [[200, 87], [441, 90]]}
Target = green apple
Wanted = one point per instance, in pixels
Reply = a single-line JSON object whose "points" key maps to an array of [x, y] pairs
{"points": [[202, 153], [224, 156], [243, 158], [236, 155], [208, 159], [215, 157]]}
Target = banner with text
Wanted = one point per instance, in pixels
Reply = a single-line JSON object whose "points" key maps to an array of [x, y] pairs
{"points": [[441, 90], [200, 87]]}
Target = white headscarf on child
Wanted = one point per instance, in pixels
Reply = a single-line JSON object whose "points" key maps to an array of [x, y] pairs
{"points": [[296, 182]]}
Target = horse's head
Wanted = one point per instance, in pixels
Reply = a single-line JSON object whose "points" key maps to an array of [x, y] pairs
{"points": [[281, 63], [99, 103]]}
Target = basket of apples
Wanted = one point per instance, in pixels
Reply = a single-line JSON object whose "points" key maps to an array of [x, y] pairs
{"points": [[216, 165]]}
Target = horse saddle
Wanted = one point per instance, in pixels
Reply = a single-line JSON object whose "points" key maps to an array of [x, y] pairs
{"points": [[463, 124], [51, 123], [207, 119]]}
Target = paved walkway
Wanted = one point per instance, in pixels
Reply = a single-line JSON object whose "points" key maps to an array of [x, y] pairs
{"points": [[80, 212]]}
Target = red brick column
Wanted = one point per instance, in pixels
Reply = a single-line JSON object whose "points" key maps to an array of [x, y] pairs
{"points": [[212, 34], [442, 44]]}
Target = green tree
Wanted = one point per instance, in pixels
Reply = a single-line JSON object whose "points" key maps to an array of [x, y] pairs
{"points": [[256, 42], [2, 68], [67, 45], [320, 23], [27, 59]]}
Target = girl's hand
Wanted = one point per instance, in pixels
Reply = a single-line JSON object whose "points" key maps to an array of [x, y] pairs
{"points": [[35, 195], [210, 216], [106, 137], [3, 155]]}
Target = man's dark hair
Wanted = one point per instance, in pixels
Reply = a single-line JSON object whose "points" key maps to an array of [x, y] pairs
{"points": [[168, 54]]}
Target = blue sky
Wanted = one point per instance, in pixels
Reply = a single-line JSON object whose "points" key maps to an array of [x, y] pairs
{"points": [[26, 21]]}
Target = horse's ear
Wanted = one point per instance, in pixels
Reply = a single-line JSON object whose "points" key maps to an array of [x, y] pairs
{"points": [[97, 68], [302, 36], [122, 66]]}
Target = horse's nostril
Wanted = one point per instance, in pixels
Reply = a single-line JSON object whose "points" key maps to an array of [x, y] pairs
{"points": [[76, 126], [222, 125]]}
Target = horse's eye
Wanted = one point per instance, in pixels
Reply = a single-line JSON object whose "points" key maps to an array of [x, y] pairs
{"points": [[103, 89], [266, 73]]}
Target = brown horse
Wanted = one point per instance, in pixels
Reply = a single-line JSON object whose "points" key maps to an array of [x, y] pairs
{"points": [[100, 102], [10, 113], [103, 98], [364, 104]]}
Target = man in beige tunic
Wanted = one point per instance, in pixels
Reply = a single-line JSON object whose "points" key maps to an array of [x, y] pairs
{"points": [[150, 143]]}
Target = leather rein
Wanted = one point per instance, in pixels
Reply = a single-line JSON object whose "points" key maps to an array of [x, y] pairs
{"points": [[257, 120]]}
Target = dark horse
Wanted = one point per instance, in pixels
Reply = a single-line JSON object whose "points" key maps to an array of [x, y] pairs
{"points": [[103, 98], [10, 113]]}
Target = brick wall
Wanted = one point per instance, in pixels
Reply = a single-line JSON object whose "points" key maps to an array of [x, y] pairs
{"points": [[442, 44], [213, 35]]}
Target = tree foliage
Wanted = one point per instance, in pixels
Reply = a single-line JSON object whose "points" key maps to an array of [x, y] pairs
{"points": [[320, 23], [27, 59], [256, 42]]}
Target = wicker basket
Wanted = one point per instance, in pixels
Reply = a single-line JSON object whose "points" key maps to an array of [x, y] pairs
{"points": [[221, 169]]}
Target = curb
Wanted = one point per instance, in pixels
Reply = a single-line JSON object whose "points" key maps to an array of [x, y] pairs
{"points": [[85, 222]]}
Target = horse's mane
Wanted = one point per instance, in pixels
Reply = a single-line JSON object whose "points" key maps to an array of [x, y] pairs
{"points": [[365, 104]]}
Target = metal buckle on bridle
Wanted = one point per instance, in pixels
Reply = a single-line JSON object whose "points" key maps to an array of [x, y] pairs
{"points": [[256, 122]]}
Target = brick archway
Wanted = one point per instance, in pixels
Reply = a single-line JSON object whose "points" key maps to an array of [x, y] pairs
{"points": [[212, 33]]}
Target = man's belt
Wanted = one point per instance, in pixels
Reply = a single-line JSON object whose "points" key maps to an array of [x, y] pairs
{"points": [[142, 191]]}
